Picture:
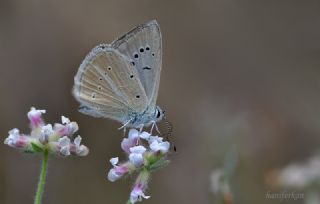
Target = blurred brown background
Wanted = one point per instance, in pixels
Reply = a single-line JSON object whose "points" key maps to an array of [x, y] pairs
{"points": [[240, 72]]}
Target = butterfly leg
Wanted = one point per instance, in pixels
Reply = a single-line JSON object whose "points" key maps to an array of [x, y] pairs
{"points": [[141, 128], [154, 125], [124, 131], [124, 125]]}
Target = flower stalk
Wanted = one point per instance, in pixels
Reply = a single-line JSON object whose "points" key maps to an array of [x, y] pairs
{"points": [[42, 178]]}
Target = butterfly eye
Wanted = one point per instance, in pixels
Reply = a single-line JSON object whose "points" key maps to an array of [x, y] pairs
{"points": [[158, 114]]}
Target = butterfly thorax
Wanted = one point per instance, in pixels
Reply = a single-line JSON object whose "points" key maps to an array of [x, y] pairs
{"points": [[146, 118]]}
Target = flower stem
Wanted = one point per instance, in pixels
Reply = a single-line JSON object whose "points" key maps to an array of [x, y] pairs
{"points": [[42, 178]]}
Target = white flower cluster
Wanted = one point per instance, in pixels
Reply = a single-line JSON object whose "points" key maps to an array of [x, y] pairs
{"points": [[56, 139], [297, 176], [145, 153]]}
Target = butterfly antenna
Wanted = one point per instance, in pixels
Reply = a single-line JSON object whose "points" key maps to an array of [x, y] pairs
{"points": [[169, 132]]}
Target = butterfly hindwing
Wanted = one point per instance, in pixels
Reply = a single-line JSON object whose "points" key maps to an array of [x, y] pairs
{"points": [[106, 85]]}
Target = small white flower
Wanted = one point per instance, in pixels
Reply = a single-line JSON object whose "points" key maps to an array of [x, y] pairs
{"points": [[217, 181], [132, 140], [133, 133], [77, 141], [136, 194], [296, 176], [64, 144], [155, 138], [35, 113], [65, 120], [16, 140], [114, 161], [81, 150], [136, 155], [126, 144], [163, 147], [113, 175], [35, 117], [66, 129], [46, 131], [12, 138], [138, 149], [144, 135], [136, 159], [117, 171]]}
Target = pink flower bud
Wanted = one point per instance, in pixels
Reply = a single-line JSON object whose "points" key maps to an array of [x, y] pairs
{"points": [[35, 117]]}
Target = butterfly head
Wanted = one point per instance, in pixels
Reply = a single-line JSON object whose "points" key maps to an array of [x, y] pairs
{"points": [[159, 114]]}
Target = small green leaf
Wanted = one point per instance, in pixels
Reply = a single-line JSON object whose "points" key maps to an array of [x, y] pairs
{"points": [[162, 162], [36, 148]]}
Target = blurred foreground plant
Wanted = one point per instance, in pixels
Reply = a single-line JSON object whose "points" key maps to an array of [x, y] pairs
{"points": [[45, 139], [304, 177], [220, 178], [145, 153]]}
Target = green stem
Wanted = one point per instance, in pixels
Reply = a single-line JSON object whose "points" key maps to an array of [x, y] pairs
{"points": [[42, 178]]}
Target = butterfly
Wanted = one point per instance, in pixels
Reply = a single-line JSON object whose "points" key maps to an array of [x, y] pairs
{"points": [[120, 81]]}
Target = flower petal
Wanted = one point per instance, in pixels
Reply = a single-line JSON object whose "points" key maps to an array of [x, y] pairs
{"points": [[145, 135], [114, 161], [133, 133], [136, 159], [64, 144], [35, 117], [138, 149], [155, 138], [46, 132], [77, 141], [136, 194], [163, 147]]}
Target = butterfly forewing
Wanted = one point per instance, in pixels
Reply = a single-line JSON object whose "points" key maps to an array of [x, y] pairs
{"points": [[142, 46], [107, 85]]}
